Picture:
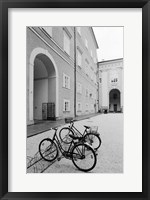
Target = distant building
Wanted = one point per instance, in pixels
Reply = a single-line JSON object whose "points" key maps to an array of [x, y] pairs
{"points": [[111, 85], [61, 72]]}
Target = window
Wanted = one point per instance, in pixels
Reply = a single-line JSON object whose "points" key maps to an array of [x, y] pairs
{"points": [[48, 30], [79, 30], [66, 106], [79, 58], [87, 69], [86, 107], [66, 81], [92, 75], [86, 66], [91, 95], [66, 43], [79, 106], [79, 88], [114, 77], [115, 80], [86, 43]]}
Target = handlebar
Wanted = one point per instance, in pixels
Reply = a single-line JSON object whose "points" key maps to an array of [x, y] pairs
{"points": [[54, 128]]}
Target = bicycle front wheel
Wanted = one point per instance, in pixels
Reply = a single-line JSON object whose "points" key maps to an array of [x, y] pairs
{"points": [[48, 149], [64, 135], [93, 139], [84, 157]]}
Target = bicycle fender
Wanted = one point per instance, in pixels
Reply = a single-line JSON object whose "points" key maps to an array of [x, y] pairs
{"points": [[88, 145]]}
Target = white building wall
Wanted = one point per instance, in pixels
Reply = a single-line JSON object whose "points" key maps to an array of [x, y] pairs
{"points": [[109, 70], [40, 96], [104, 89]]}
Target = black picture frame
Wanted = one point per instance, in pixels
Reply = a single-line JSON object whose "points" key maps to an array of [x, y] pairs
{"points": [[4, 6]]}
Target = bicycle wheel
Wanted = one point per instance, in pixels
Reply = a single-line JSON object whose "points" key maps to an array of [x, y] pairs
{"points": [[93, 139], [83, 157], [64, 135], [48, 149]]}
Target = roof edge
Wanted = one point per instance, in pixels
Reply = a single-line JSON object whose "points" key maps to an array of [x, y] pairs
{"points": [[110, 60], [94, 37]]}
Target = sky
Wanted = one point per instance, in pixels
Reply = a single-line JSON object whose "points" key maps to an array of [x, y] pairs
{"points": [[110, 42]]}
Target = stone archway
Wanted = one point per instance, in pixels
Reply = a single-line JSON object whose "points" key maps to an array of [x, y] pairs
{"points": [[114, 101], [43, 83]]}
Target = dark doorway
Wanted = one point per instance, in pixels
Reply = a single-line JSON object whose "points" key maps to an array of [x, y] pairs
{"points": [[114, 101], [115, 107]]}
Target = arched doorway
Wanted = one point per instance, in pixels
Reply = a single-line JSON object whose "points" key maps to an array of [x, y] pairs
{"points": [[114, 101], [44, 86], [48, 69]]}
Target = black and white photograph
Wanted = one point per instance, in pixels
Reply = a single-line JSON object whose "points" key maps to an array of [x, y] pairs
{"points": [[74, 99]]}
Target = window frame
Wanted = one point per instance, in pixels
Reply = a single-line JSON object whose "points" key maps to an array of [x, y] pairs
{"points": [[79, 88], [67, 49], [79, 110], [79, 55], [66, 84], [64, 102]]}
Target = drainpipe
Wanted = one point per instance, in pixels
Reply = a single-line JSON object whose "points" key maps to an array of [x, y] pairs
{"points": [[75, 71], [98, 86]]}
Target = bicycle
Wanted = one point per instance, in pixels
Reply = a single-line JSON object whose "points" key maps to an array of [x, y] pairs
{"points": [[82, 154], [89, 136]]}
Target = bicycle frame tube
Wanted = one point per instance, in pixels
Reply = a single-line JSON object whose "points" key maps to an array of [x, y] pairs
{"points": [[74, 129], [55, 138], [55, 135]]}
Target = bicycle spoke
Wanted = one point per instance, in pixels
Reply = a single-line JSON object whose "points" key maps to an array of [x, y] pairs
{"points": [[48, 149], [84, 157]]}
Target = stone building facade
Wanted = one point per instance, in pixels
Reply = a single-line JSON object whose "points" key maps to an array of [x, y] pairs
{"points": [[61, 72], [111, 85]]}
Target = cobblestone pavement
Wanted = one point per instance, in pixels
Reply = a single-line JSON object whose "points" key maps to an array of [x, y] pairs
{"points": [[110, 154]]}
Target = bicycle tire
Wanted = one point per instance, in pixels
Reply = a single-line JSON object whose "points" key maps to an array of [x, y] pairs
{"points": [[49, 152], [64, 135], [93, 139], [84, 157]]}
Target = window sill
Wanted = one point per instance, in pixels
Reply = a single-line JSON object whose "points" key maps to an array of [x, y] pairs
{"points": [[66, 88]]}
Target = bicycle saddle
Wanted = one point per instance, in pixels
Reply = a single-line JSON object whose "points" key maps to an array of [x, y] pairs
{"points": [[74, 137], [87, 127]]}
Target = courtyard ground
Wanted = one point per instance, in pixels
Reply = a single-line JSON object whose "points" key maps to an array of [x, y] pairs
{"points": [[110, 154]]}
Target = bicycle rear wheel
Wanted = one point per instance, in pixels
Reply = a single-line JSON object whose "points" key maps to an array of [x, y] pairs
{"points": [[48, 149], [64, 135], [93, 139], [83, 157]]}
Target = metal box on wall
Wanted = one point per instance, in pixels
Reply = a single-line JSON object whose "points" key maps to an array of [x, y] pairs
{"points": [[51, 111]]}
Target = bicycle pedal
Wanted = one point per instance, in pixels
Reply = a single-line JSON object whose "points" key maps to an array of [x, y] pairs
{"points": [[58, 159]]}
